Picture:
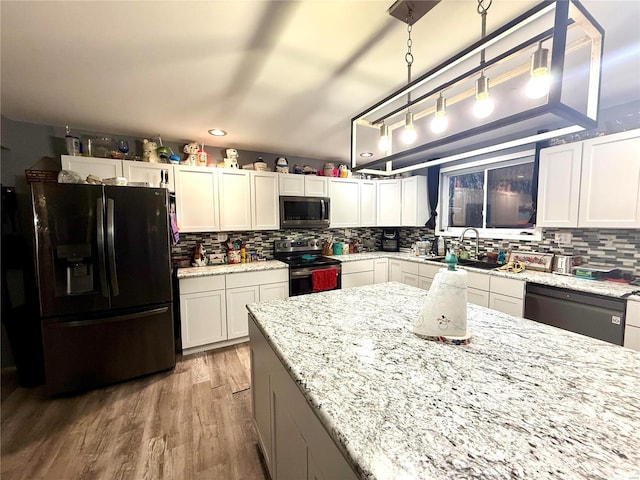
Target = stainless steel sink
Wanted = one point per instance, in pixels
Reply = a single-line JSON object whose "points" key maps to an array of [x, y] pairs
{"points": [[467, 262]]}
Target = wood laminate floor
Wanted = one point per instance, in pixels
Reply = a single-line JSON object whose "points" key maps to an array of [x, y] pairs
{"points": [[193, 422]]}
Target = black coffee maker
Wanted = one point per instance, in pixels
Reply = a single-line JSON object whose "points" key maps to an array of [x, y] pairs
{"points": [[390, 241]]}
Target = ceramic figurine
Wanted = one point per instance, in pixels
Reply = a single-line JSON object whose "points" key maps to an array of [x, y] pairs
{"points": [[203, 156], [191, 149], [282, 166], [150, 151], [199, 256]]}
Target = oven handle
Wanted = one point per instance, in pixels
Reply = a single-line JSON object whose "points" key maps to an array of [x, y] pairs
{"points": [[306, 272]]}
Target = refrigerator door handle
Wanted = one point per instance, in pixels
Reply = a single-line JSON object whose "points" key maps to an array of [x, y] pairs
{"points": [[111, 248], [102, 321], [102, 264]]}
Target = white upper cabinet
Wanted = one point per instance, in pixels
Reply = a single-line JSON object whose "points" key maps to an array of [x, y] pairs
{"points": [[415, 203], [235, 199], [368, 203], [591, 184], [559, 186], [148, 172], [265, 213], [389, 202], [315, 186], [85, 166], [293, 185], [345, 201], [197, 199], [610, 185]]}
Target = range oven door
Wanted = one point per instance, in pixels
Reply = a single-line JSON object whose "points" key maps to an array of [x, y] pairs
{"points": [[301, 279]]}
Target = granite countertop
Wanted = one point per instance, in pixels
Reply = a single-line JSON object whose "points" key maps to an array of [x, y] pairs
{"points": [[600, 287], [523, 400], [224, 269]]}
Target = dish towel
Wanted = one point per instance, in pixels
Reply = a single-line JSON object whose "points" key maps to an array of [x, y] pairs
{"points": [[326, 279]]}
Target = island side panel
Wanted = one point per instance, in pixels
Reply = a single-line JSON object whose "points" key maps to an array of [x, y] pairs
{"points": [[291, 436]]}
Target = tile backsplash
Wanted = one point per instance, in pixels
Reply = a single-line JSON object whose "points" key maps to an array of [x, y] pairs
{"points": [[619, 248]]}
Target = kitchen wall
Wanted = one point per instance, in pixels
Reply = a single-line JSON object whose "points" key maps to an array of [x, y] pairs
{"points": [[619, 248]]}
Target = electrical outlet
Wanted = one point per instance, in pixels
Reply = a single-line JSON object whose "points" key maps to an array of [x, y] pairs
{"points": [[563, 238], [222, 236], [347, 232]]}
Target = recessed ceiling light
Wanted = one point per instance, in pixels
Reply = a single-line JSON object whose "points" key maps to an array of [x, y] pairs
{"points": [[366, 154], [216, 132]]}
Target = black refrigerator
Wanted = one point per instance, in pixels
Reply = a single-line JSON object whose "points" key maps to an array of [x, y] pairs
{"points": [[103, 267]]}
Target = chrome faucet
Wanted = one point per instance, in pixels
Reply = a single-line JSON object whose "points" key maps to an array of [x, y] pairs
{"points": [[477, 238]]}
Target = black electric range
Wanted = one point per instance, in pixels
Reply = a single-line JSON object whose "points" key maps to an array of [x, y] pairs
{"points": [[304, 257]]}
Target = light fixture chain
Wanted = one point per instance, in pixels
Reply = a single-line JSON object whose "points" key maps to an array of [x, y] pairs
{"points": [[408, 57], [482, 9]]}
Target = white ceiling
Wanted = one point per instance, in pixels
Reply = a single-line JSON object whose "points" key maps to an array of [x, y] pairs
{"points": [[279, 76]]}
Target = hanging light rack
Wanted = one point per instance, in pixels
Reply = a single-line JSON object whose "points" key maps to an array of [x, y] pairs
{"points": [[563, 15]]}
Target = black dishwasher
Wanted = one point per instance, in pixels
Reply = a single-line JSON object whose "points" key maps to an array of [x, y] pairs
{"points": [[596, 316]]}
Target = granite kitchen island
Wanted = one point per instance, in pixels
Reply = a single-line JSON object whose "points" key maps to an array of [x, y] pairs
{"points": [[522, 400]]}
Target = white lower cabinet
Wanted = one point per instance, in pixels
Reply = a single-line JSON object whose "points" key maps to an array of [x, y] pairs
{"points": [[380, 270], [213, 309], [507, 295], [358, 273], [427, 273], [237, 300], [203, 314], [294, 443], [403, 271], [632, 324], [395, 270], [477, 297]]}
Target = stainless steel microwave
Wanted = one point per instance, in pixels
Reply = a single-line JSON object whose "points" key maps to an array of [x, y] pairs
{"points": [[304, 212]]}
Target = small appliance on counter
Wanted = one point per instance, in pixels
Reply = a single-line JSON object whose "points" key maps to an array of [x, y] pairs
{"points": [[390, 241], [564, 264]]}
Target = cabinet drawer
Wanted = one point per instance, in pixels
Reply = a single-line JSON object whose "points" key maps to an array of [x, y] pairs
{"points": [[429, 271], [245, 279], [357, 266], [478, 280], [202, 284], [632, 337], [507, 286], [633, 313], [357, 279], [410, 267], [478, 297]]}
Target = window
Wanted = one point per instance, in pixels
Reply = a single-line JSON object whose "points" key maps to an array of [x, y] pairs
{"points": [[493, 195]]}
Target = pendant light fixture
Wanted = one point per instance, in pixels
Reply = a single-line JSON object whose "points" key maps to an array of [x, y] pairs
{"points": [[409, 133], [440, 123], [455, 98], [383, 142], [484, 103], [538, 85]]}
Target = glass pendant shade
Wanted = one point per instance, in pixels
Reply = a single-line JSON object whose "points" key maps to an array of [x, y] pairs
{"points": [[383, 143], [409, 134], [484, 103], [540, 81], [440, 122]]}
